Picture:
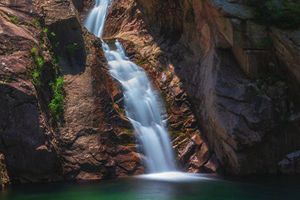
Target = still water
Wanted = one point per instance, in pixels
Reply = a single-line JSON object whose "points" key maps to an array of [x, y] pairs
{"points": [[206, 188]]}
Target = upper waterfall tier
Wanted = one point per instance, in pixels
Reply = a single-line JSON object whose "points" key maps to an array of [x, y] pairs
{"points": [[96, 19]]}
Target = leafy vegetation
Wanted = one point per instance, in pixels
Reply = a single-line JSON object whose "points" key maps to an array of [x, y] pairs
{"points": [[56, 105], [283, 14], [36, 23], [53, 80], [14, 19], [39, 66]]}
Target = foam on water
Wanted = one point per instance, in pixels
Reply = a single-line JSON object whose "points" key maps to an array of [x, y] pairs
{"points": [[175, 176]]}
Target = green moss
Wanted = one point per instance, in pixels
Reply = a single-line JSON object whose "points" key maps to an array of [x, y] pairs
{"points": [[283, 14], [142, 62], [47, 76], [37, 71], [174, 133], [128, 131], [56, 105], [14, 19], [36, 23]]}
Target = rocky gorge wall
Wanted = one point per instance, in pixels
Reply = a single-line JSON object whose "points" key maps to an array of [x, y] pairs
{"points": [[229, 108], [63, 116], [241, 81], [241, 78]]}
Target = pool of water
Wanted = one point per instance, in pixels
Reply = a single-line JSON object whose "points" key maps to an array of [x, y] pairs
{"points": [[153, 188]]}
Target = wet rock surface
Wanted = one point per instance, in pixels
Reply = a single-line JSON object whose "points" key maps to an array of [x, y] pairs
{"points": [[229, 71]]}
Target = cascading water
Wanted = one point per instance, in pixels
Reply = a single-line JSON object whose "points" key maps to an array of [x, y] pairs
{"points": [[142, 104], [143, 109], [96, 19]]}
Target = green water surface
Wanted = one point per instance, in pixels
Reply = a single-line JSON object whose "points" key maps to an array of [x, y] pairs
{"points": [[141, 189]]}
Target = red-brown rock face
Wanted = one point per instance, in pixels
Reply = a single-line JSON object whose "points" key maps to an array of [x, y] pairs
{"points": [[226, 98], [94, 140], [25, 137], [125, 22], [228, 71], [230, 76]]}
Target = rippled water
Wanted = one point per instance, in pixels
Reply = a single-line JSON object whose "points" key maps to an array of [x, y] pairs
{"points": [[205, 188]]}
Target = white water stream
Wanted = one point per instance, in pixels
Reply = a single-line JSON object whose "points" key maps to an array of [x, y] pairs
{"points": [[142, 103]]}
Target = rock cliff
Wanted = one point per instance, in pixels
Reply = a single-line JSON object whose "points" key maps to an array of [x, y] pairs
{"points": [[241, 76], [230, 85]]}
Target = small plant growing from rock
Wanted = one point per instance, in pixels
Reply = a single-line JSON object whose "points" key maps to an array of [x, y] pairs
{"points": [[39, 65], [56, 105], [14, 19]]}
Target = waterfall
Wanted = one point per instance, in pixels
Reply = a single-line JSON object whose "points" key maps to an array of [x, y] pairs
{"points": [[96, 18], [142, 103], [143, 109]]}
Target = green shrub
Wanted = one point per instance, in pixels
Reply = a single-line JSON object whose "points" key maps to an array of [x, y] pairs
{"points": [[39, 61], [56, 105], [283, 14]]}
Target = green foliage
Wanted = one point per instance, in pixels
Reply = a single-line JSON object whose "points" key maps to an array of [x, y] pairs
{"points": [[142, 62], [39, 61], [53, 79], [14, 19], [175, 133], [45, 30], [283, 14], [56, 105], [36, 23]]}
